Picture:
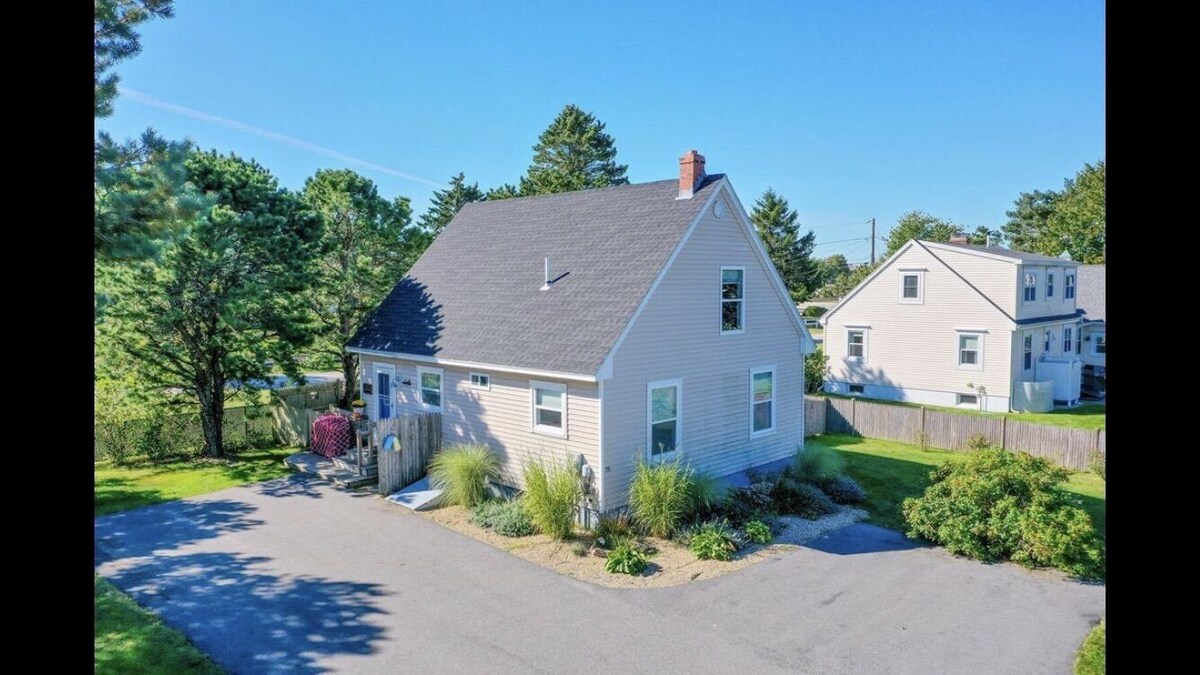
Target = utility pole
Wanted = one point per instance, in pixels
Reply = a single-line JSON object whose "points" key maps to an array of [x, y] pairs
{"points": [[872, 241]]}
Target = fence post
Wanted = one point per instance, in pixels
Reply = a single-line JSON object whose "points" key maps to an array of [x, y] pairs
{"points": [[853, 417], [1096, 442], [1004, 432], [922, 422]]}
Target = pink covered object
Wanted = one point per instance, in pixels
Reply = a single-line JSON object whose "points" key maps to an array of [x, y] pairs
{"points": [[331, 435]]}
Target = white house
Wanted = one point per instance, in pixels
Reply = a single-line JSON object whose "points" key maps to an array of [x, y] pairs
{"points": [[603, 326], [954, 324], [1095, 342]]}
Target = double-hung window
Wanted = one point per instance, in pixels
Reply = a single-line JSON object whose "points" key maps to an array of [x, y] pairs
{"points": [[1030, 287], [1099, 345], [1028, 352], [762, 401], [970, 351], [856, 344], [1046, 343], [1069, 287], [1068, 339], [733, 299], [1049, 285], [430, 381], [662, 417], [549, 401], [912, 291]]}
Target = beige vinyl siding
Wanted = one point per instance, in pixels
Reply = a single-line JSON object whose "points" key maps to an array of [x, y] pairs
{"points": [[916, 346], [997, 279], [502, 417], [1055, 306], [678, 335]]}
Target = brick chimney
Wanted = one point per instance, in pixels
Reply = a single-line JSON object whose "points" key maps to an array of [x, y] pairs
{"points": [[691, 172], [958, 239]]}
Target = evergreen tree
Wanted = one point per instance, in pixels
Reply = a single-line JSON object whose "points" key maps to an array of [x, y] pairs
{"points": [[984, 236], [574, 153], [445, 203], [368, 245], [116, 40], [225, 304], [1028, 219], [918, 225], [779, 229], [506, 191], [1079, 219]]}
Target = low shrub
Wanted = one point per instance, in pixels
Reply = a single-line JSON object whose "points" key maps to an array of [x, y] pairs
{"points": [[551, 497], [660, 496], [625, 559], [1000, 505], [712, 542], [613, 529], [814, 463], [504, 517], [978, 442], [815, 311], [461, 471], [758, 532], [579, 548], [1098, 464], [802, 499], [843, 489], [746, 503]]}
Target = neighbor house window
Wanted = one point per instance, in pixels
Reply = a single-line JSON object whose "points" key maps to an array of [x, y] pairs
{"points": [[662, 417], [1028, 355], [1099, 346], [430, 381], [1079, 341], [1069, 288], [733, 297], [1030, 287], [1068, 339], [1049, 286], [762, 401], [856, 389], [856, 344], [912, 289], [970, 351], [549, 408], [968, 399], [1046, 343], [481, 381]]}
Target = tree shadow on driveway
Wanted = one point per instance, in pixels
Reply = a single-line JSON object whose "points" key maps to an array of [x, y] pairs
{"points": [[174, 524]]}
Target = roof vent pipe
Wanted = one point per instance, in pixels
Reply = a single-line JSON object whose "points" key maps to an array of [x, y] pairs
{"points": [[546, 283]]}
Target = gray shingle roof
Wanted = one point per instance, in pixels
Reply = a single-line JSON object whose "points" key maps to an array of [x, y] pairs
{"points": [[1006, 253], [473, 295], [1089, 291]]}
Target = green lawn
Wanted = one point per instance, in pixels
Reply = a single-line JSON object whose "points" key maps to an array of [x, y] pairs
{"points": [[118, 489], [891, 471], [130, 639], [1085, 416], [1090, 659]]}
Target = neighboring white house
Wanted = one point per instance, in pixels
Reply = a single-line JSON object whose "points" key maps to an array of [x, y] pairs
{"points": [[1095, 343], [604, 326], [954, 324]]}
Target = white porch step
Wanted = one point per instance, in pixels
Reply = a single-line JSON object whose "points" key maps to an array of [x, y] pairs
{"points": [[417, 496]]}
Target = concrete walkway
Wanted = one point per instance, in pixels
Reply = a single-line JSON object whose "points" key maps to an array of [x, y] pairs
{"points": [[296, 576]]}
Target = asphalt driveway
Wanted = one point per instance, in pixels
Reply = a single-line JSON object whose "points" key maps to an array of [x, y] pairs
{"points": [[295, 576]]}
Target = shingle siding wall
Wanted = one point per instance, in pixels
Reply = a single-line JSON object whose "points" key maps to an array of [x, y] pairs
{"points": [[678, 336], [501, 417]]}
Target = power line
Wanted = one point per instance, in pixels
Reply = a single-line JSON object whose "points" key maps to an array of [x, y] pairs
{"points": [[840, 241]]}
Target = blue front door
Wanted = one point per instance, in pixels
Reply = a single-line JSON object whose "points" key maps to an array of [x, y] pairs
{"points": [[383, 395]]}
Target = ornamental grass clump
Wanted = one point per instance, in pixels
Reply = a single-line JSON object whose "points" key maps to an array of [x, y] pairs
{"points": [[660, 496], [1000, 505], [462, 471], [552, 495]]}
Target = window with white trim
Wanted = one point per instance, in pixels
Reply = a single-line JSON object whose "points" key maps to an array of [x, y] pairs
{"points": [[912, 287], [968, 399], [1068, 339], [429, 386], [1049, 339], [481, 381], [662, 417], [762, 401], [733, 299], [856, 388], [1099, 345], [1028, 352], [856, 344], [1079, 340], [1049, 285], [1069, 287], [1030, 287], [970, 351], [549, 400]]}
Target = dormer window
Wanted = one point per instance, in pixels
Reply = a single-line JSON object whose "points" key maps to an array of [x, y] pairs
{"points": [[1030, 287], [1069, 288], [1049, 285]]}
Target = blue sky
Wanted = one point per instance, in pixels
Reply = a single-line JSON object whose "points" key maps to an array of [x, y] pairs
{"points": [[851, 110]]}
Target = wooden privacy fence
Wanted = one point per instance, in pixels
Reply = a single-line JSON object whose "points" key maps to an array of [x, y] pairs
{"points": [[420, 439], [1071, 448]]}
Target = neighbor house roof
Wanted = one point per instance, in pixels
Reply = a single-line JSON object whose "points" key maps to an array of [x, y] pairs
{"points": [[1089, 291], [1021, 256], [474, 295]]}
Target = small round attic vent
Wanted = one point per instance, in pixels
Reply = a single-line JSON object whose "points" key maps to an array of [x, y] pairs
{"points": [[719, 209]]}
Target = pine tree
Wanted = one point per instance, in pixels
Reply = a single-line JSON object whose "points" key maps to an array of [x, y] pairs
{"points": [[116, 40], [779, 229], [506, 191], [574, 153], [445, 203]]}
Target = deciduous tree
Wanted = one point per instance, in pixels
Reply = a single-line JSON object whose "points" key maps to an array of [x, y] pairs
{"points": [[918, 225]]}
